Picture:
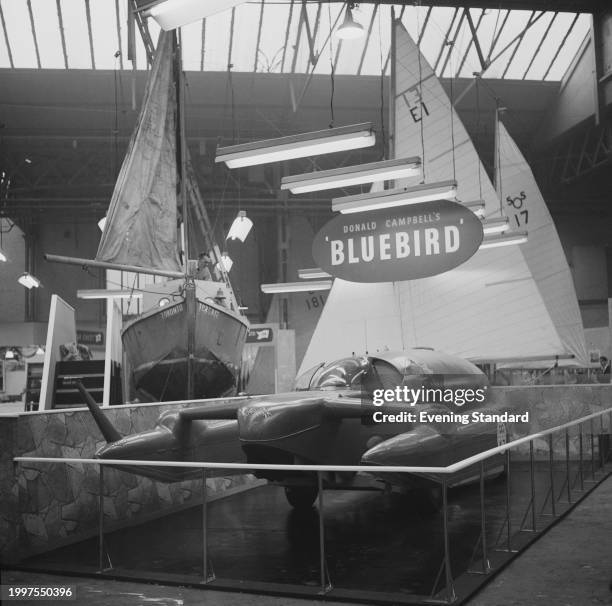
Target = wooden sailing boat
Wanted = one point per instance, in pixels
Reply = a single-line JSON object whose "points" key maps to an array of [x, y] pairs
{"points": [[509, 303], [188, 342]]}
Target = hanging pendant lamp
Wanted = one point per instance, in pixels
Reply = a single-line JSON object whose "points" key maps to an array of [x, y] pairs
{"points": [[350, 29]]}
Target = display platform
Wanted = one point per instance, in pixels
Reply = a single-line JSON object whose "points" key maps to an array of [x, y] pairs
{"points": [[374, 541]]}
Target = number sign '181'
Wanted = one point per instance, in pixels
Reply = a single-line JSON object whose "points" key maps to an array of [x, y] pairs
{"points": [[403, 243]]}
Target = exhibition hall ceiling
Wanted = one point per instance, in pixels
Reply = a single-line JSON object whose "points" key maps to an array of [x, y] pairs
{"points": [[261, 70], [290, 36]]}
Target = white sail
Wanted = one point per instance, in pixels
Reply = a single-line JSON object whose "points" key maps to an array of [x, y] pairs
{"points": [[489, 308], [526, 209]]}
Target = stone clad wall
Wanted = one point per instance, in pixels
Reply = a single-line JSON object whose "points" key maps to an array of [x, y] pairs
{"points": [[43, 506], [9, 497], [553, 405]]}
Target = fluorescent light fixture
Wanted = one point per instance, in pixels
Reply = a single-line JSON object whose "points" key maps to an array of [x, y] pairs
{"points": [[240, 227], [352, 175], [225, 261], [389, 198], [101, 293], [326, 141], [102, 223], [350, 29], [3, 257], [495, 226], [283, 287], [476, 206], [28, 280], [518, 237], [312, 273], [171, 14]]}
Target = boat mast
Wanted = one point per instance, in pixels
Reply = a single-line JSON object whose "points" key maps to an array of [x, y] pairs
{"points": [[181, 148], [392, 92], [190, 296]]}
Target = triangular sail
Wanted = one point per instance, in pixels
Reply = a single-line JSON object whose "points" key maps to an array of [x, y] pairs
{"points": [[489, 308], [526, 209], [141, 224]]}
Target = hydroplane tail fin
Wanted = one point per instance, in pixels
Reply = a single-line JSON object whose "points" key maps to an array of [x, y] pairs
{"points": [[104, 425]]}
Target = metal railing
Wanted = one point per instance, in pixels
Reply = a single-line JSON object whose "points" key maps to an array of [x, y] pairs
{"points": [[448, 595]]}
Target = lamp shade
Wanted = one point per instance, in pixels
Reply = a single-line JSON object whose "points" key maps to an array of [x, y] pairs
{"points": [[495, 226], [311, 273], [28, 280], [341, 138], [102, 223], [286, 287], [350, 29], [101, 293], [352, 175], [389, 198], [3, 257], [517, 237], [171, 14], [225, 262], [240, 228], [476, 206]]}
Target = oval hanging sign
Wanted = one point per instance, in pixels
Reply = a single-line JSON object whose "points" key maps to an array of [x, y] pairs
{"points": [[395, 244]]}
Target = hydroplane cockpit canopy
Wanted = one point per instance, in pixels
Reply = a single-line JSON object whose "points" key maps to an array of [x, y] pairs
{"points": [[412, 368], [359, 373]]}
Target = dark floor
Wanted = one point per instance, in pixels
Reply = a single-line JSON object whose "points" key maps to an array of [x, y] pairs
{"points": [[374, 541], [570, 565]]}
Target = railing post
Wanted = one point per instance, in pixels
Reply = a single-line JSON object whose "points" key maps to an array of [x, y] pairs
{"points": [[532, 481], [567, 467], [508, 488], [206, 576], [450, 588], [551, 474], [592, 450], [486, 566], [581, 447], [101, 518], [321, 534]]}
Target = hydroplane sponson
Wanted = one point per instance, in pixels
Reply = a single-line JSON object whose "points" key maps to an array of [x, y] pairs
{"points": [[331, 420]]}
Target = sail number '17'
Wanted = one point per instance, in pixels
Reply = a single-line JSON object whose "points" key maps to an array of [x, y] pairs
{"points": [[396, 244], [516, 202]]}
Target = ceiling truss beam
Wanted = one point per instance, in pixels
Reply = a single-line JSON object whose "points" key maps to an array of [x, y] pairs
{"points": [[542, 40], [34, 36], [577, 156], [519, 40], [569, 31], [60, 19], [90, 35], [6, 38], [118, 26], [474, 41]]}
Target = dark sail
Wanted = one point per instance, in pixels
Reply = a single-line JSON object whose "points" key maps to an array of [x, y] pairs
{"points": [[141, 225]]}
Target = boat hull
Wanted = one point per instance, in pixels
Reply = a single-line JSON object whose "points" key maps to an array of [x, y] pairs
{"points": [[156, 347]]}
